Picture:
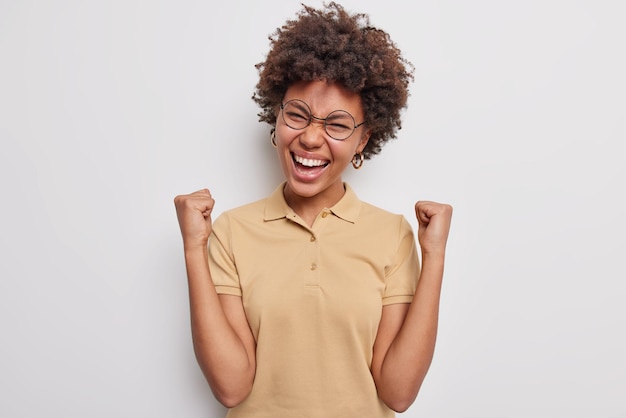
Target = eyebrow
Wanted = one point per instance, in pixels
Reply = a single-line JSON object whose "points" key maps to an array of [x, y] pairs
{"points": [[330, 116], [301, 107], [304, 107]]}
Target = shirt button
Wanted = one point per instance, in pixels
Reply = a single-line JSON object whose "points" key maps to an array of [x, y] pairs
{"points": [[324, 214], [313, 266], [312, 238]]}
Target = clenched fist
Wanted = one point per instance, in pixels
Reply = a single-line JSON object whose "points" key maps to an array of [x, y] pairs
{"points": [[194, 217], [434, 225]]}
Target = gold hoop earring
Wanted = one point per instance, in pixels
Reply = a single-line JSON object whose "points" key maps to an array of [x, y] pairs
{"points": [[357, 161], [273, 137]]}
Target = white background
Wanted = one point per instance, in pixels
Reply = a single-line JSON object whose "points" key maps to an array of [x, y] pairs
{"points": [[109, 109]]}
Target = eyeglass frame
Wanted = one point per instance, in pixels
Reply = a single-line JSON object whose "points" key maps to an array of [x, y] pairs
{"points": [[311, 117]]}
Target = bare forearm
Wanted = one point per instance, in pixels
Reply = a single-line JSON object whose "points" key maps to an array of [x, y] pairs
{"points": [[222, 355], [409, 356]]}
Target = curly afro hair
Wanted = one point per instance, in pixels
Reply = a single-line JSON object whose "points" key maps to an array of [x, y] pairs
{"points": [[338, 47]]}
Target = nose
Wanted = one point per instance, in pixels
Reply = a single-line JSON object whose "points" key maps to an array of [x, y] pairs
{"points": [[314, 135]]}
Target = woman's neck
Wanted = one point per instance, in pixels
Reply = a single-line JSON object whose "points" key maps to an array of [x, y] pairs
{"points": [[308, 207]]}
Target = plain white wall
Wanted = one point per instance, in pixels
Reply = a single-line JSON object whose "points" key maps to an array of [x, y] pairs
{"points": [[109, 109]]}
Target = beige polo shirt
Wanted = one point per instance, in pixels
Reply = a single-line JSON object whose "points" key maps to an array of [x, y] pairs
{"points": [[313, 298]]}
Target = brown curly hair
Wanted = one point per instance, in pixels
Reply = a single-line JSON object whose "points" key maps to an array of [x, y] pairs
{"points": [[334, 45]]}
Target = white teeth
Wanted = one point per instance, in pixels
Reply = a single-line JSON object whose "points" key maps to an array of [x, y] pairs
{"points": [[308, 162]]}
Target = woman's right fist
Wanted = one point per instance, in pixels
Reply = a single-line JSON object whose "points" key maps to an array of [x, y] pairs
{"points": [[194, 217]]}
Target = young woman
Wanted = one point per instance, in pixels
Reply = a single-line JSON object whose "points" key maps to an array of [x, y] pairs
{"points": [[307, 303]]}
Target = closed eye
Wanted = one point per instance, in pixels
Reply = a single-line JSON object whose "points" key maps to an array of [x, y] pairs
{"points": [[297, 116]]}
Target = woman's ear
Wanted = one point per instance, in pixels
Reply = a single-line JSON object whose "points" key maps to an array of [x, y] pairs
{"points": [[364, 139]]}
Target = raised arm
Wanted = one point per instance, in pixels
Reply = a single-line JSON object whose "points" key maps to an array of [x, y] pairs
{"points": [[406, 337], [222, 340]]}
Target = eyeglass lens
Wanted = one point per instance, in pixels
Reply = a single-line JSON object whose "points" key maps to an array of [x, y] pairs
{"points": [[339, 124]]}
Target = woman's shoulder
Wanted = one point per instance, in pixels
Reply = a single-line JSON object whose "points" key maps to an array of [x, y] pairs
{"points": [[369, 214], [383, 219], [373, 210], [244, 211], [257, 208]]}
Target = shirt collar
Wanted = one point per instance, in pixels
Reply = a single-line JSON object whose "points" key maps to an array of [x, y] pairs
{"points": [[347, 208], [275, 205]]}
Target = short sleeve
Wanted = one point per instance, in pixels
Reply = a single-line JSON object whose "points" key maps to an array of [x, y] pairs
{"points": [[221, 260], [402, 274]]}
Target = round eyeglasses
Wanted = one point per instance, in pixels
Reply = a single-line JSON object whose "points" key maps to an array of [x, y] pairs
{"points": [[339, 124]]}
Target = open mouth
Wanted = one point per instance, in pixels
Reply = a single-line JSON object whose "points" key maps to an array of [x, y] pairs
{"points": [[308, 164]]}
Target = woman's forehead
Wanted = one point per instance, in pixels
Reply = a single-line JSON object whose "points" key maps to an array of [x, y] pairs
{"points": [[323, 97]]}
